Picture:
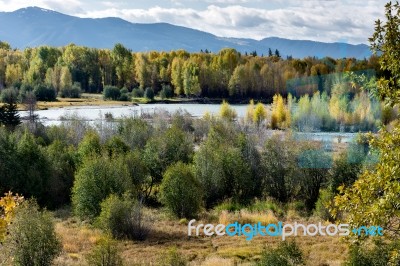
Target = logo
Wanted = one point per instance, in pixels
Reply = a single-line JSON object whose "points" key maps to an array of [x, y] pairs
{"points": [[281, 230]]}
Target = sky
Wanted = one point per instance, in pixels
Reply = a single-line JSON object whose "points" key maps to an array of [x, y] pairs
{"points": [[349, 21]]}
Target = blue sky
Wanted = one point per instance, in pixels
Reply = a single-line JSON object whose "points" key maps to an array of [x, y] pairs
{"points": [[319, 20]]}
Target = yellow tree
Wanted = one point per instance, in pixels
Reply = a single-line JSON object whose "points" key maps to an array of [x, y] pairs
{"points": [[227, 112], [260, 114], [250, 111], [8, 203], [279, 112]]}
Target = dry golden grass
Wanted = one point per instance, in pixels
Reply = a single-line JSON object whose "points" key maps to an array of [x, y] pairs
{"points": [[78, 239], [86, 100], [247, 217]]}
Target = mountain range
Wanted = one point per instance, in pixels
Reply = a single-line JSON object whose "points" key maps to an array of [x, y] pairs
{"points": [[34, 26]]}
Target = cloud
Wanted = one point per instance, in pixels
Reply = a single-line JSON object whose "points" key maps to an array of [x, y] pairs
{"points": [[320, 20], [67, 6]]}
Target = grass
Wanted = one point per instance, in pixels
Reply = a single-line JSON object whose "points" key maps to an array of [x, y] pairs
{"points": [[87, 99], [78, 238]]}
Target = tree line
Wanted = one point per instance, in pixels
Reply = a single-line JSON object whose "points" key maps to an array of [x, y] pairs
{"points": [[68, 70]]}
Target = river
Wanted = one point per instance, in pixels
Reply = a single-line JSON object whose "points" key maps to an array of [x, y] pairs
{"points": [[54, 116]]}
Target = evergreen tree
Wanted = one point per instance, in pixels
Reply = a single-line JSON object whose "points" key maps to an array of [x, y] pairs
{"points": [[9, 114], [269, 52], [277, 53], [11, 117]]}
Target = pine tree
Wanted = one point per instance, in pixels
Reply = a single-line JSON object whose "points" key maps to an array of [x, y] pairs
{"points": [[10, 117]]}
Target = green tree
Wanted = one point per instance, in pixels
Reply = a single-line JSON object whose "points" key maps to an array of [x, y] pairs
{"points": [[221, 168], [180, 191], [149, 93], [95, 180], [90, 145], [191, 85], [374, 198], [111, 93], [9, 115], [385, 41], [165, 149]]}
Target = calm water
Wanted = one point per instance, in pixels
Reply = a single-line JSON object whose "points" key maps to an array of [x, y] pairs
{"points": [[54, 116]]}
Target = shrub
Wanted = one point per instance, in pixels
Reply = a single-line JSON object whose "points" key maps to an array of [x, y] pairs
{"points": [[137, 93], [95, 181], [90, 145], [9, 95], [166, 92], [116, 146], [124, 90], [45, 93], [180, 191], [322, 206], [105, 253], [123, 218], [172, 258], [378, 253], [32, 239], [111, 93], [71, 92], [286, 254], [227, 112], [149, 93], [346, 168], [63, 167], [124, 97]]}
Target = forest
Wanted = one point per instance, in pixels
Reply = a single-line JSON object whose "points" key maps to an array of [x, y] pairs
{"points": [[65, 71], [120, 191]]}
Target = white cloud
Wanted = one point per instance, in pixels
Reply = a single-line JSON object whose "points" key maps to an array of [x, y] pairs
{"points": [[67, 6], [315, 20], [322, 20]]}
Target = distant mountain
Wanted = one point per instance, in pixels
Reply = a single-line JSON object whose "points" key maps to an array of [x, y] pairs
{"points": [[33, 26]]}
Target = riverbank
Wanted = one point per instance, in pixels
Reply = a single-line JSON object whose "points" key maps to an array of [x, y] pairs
{"points": [[91, 99]]}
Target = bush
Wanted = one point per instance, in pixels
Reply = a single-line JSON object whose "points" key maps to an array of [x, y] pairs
{"points": [[90, 145], [124, 90], [227, 112], [172, 258], [123, 218], [116, 146], [95, 181], [149, 93], [45, 93], [378, 253], [166, 92], [137, 93], [180, 191], [9, 95], [111, 93], [105, 253], [72, 92], [124, 97], [32, 239], [322, 206], [286, 254]]}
